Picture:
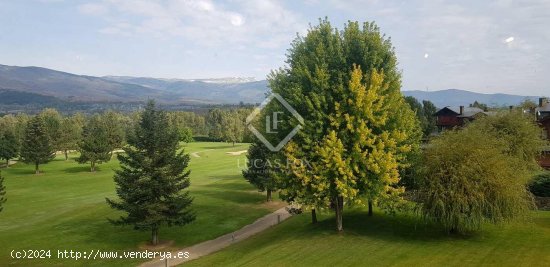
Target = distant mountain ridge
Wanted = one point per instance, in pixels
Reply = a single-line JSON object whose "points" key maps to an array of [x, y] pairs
{"points": [[231, 90], [456, 97], [82, 88]]}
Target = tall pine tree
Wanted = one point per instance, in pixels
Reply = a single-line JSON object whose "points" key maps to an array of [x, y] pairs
{"points": [[153, 177], [37, 147], [94, 147]]}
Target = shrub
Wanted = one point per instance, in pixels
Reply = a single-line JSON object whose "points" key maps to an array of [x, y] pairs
{"points": [[540, 185]]}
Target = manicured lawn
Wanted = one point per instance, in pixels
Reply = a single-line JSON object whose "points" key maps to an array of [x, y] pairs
{"points": [[384, 240], [64, 208]]}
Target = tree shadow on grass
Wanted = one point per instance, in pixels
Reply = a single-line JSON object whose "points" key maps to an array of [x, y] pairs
{"points": [[81, 169], [229, 191], [399, 228]]}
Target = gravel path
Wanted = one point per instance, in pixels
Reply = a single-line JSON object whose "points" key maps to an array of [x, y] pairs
{"points": [[211, 246]]}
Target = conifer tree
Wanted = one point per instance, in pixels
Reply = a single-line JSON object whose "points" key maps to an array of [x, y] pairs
{"points": [[2, 192], [94, 147], [37, 147], [153, 177], [70, 134], [9, 146], [258, 172]]}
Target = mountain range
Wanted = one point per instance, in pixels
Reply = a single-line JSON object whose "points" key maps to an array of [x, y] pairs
{"points": [[42, 83]]}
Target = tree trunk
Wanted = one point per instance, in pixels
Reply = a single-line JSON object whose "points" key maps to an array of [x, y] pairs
{"points": [[154, 235], [268, 195], [339, 208], [370, 207], [313, 216], [36, 170], [233, 143], [7, 163], [92, 168], [66, 155]]}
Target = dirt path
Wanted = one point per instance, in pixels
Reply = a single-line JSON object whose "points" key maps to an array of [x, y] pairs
{"points": [[211, 246]]}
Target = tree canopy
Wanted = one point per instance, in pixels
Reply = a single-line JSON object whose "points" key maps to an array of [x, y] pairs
{"points": [[346, 85]]}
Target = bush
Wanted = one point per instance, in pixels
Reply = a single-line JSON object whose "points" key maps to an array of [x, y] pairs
{"points": [[540, 186]]}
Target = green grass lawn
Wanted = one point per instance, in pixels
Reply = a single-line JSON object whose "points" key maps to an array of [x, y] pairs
{"points": [[65, 208], [384, 240]]}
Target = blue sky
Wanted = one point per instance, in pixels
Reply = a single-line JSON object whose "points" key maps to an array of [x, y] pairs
{"points": [[483, 46]]}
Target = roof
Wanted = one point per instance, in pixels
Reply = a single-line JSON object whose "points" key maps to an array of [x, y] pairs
{"points": [[545, 108], [468, 111]]}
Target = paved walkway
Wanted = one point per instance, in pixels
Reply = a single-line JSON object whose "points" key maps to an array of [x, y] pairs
{"points": [[211, 246]]}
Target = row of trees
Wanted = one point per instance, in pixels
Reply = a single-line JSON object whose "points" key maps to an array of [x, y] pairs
{"points": [[36, 139]]}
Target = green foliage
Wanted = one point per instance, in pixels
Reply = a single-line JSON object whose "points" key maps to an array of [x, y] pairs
{"points": [[70, 133], [195, 122], [259, 169], [2, 192], [540, 185], [9, 145], [115, 132], [153, 177], [424, 113], [185, 135], [37, 147], [470, 179], [95, 145], [346, 85], [214, 121], [52, 121], [519, 134]]}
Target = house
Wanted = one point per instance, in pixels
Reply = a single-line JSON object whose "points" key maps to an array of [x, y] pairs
{"points": [[450, 117], [543, 119]]}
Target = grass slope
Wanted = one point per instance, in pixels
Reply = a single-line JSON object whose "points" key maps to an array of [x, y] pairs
{"points": [[64, 208], [384, 240]]}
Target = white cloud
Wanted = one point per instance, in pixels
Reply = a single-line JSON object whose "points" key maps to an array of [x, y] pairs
{"points": [[93, 9], [203, 22]]}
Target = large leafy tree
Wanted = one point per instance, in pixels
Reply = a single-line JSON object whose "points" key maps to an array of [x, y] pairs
{"points": [[259, 172], [318, 84], [37, 147], [153, 177], [94, 146], [472, 179]]}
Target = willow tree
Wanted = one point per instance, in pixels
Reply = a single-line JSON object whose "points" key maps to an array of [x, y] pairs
{"points": [[471, 179], [346, 86]]}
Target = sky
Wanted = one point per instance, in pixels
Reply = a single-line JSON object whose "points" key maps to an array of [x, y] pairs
{"points": [[483, 46]]}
